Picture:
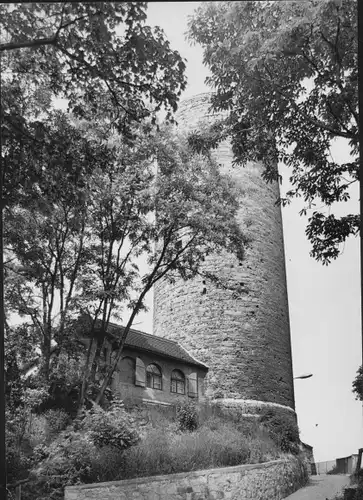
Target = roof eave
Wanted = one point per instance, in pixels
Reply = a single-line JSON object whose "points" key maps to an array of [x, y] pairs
{"points": [[168, 356]]}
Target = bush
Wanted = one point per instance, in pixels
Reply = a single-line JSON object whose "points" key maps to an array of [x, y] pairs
{"points": [[359, 491], [43, 428], [17, 464], [68, 462], [56, 421], [18, 446], [282, 429], [358, 384], [187, 416], [106, 464], [83, 453], [114, 427]]}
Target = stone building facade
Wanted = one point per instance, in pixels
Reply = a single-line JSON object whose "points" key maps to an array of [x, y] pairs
{"points": [[244, 338]]}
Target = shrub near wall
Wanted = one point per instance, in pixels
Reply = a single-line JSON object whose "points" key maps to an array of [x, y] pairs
{"points": [[269, 481]]}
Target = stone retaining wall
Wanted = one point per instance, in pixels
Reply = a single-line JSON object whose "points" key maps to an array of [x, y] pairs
{"points": [[250, 407], [268, 481]]}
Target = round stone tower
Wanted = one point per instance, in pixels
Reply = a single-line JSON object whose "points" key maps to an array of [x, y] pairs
{"points": [[243, 337]]}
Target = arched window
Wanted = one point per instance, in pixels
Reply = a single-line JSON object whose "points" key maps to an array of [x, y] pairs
{"points": [[177, 382], [153, 377]]}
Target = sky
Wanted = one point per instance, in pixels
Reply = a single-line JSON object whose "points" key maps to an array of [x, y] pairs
{"points": [[324, 302]]}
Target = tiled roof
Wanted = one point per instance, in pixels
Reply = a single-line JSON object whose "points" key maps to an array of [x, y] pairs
{"points": [[152, 343]]}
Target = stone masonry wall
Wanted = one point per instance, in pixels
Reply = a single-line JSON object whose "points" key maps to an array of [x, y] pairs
{"points": [[269, 481], [244, 339]]}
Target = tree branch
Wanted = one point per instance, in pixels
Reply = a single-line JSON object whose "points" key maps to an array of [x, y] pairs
{"points": [[313, 121], [28, 44], [147, 287], [97, 72], [41, 41], [332, 80], [76, 266], [33, 316]]}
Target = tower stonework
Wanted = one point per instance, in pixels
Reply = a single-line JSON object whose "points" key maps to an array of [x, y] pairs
{"points": [[244, 336]]}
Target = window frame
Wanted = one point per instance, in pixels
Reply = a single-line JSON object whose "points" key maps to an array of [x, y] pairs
{"points": [[152, 376], [193, 383], [177, 381]]}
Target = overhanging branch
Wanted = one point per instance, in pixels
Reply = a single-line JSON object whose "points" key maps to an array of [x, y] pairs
{"points": [[28, 44], [310, 119]]}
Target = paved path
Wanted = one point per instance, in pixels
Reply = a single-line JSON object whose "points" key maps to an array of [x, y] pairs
{"points": [[322, 487]]}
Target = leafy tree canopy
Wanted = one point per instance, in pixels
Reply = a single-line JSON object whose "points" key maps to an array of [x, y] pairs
{"points": [[358, 384], [75, 236], [287, 75], [99, 55], [82, 201]]}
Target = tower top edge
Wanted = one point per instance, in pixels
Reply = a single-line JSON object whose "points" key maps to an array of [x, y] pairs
{"points": [[202, 97], [197, 96], [195, 109]]}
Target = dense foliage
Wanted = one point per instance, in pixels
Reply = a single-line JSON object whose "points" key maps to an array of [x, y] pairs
{"points": [[187, 416], [113, 427], [83, 235], [81, 189], [71, 455], [164, 448], [89, 195], [282, 429], [100, 55], [358, 384], [112, 443], [286, 73]]}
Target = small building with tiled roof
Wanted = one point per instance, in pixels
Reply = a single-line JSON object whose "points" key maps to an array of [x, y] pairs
{"points": [[153, 369]]}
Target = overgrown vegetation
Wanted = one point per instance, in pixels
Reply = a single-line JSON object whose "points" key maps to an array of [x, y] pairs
{"points": [[112, 444], [187, 416], [358, 479], [215, 443], [354, 491], [286, 74], [358, 384], [282, 429], [90, 223]]}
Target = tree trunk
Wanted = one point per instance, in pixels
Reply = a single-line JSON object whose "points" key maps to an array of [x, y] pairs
{"points": [[98, 352], [110, 372], [148, 285], [85, 374], [46, 348]]}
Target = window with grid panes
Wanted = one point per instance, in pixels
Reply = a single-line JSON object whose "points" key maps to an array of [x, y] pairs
{"points": [[177, 382], [153, 377]]}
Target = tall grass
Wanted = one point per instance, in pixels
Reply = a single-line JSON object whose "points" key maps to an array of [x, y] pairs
{"points": [[216, 443]]}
